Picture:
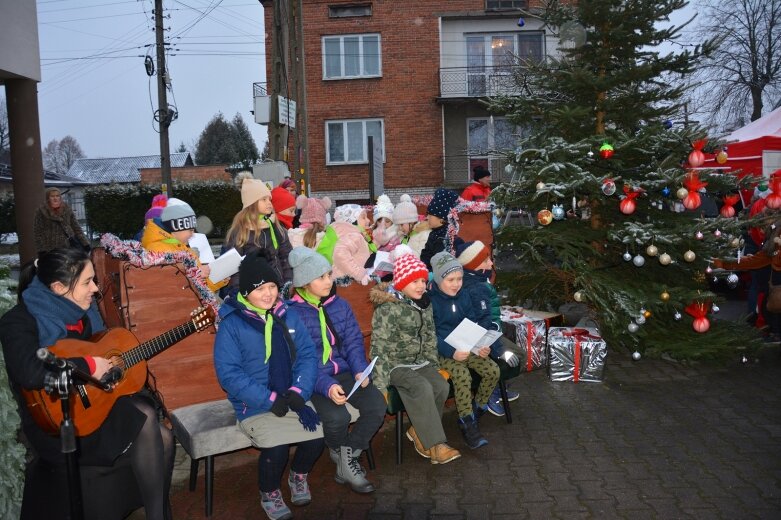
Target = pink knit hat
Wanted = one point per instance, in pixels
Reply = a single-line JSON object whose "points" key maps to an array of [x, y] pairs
{"points": [[312, 209]]}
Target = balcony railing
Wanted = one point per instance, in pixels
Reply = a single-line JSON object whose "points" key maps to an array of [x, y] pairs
{"points": [[458, 168], [460, 82]]}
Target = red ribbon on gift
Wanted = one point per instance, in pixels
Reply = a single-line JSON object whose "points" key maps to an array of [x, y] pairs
{"points": [[578, 335], [529, 339]]}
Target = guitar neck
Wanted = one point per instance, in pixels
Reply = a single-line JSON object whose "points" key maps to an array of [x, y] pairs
{"points": [[154, 346]]}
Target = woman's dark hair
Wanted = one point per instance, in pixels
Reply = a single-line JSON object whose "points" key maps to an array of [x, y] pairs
{"points": [[62, 265]]}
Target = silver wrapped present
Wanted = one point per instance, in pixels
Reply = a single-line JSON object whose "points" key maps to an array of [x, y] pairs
{"points": [[576, 354], [529, 334]]}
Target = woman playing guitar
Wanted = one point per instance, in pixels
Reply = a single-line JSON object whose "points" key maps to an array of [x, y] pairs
{"points": [[55, 302]]}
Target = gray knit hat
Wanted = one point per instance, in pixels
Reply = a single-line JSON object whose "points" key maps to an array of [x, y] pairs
{"points": [[442, 264], [177, 215], [307, 265]]}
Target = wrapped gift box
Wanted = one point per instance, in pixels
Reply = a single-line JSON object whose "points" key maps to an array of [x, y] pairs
{"points": [[576, 354], [530, 334]]}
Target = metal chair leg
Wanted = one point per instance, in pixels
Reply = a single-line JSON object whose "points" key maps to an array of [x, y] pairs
{"points": [[209, 484], [505, 402], [193, 473], [399, 436]]}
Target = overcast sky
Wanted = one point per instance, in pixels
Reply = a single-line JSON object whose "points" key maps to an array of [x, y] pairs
{"points": [[95, 88]]}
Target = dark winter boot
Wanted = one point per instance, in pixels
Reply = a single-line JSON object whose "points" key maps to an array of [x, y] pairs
{"points": [[349, 471], [469, 429]]}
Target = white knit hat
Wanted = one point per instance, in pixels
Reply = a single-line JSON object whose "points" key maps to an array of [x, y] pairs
{"points": [[383, 208], [348, 213], [405, 211]]}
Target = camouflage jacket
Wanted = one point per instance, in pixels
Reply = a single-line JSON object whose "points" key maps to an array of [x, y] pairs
{"points": [[402, 334]]}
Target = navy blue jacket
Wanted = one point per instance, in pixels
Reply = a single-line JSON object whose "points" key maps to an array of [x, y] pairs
{"points": [[239, 358], [349, 356], [449, 311]]}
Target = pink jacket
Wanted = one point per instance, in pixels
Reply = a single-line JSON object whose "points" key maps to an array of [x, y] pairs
{"points": [[351, 251]]}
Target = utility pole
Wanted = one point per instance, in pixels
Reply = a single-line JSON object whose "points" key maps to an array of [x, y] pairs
{"points": [[300, 142], [162, 114], [277, 135]]}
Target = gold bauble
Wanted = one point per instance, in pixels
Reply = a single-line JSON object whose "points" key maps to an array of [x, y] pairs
{"points": [[665, 259], [540, 186], [682, 193], [665, 296], [578, 296], [651, 250], [647, 314], [689, 256], [721, 157]]}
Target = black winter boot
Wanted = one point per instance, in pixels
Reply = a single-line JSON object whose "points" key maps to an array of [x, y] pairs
{"points": [[469, 429]]}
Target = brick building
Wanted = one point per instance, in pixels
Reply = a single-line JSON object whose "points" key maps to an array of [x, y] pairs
{"points": [[412, 75], [216, 172]]}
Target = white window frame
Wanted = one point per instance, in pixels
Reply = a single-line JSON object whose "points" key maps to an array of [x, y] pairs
{"points": [[341, 38], [364, 144]]}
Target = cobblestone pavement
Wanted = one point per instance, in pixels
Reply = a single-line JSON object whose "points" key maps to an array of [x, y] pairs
{"points": [[655, 440]]}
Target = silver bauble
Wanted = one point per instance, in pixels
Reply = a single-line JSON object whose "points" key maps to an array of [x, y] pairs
{"points": [[714, 309], [732, 280], [632, 327], [677, 316], [558, 212], [640, 320], [636, 355], [627, 257], [638, 260]]}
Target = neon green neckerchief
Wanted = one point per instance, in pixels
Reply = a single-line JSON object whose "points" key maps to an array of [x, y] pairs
{"points": [[264, 314], [314, 300], [171, 240], [368, 237], [271, 230]]}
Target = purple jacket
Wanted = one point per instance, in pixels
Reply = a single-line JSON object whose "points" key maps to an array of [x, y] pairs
{"points": [[349, 355]]}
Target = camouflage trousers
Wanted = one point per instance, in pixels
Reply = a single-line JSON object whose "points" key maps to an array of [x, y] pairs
{"points": [[462, 380]]}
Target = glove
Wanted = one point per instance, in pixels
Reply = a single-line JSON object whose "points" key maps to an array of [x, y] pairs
{"points": [[295, 401], [511, 359], [280, 406], [365, 280]]}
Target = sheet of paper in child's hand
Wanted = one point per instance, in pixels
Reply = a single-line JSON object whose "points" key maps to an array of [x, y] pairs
{"points": [[466, 336], [224, 266], [200, 243]]}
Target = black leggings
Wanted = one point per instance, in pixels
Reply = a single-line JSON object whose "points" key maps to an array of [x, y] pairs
{"points": [[272, 462], [152, 460]]}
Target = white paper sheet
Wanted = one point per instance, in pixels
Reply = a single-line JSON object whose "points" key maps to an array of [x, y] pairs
{"points": [[200, 243], [469, 335], [226, 265], [363, 377], [382, 262]]}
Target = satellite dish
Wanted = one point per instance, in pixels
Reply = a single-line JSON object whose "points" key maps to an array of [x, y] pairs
{"points": [[572, 35]]}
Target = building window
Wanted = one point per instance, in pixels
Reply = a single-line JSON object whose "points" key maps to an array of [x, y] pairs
{"points": [[501, 5], [347, 141], [348, 11], [492, 57], [490, 135], [352, 56]]}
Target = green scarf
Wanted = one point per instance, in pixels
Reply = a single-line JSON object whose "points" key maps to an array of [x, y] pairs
{"points": [[314, 300], [327, 244], [270, 223], [265, 315], [368, 237]]}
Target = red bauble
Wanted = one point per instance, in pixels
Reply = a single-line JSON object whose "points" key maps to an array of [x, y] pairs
{"points": [[696, 158], [692, 200], [727, 211], [701, 324], [627, 206], [773, 201]]}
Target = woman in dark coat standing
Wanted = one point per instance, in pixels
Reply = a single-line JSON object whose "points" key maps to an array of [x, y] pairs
{"points": [[56, 302], [55, 225]]}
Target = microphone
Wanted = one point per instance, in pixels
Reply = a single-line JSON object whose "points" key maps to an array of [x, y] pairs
{"points": [[45, 355]]}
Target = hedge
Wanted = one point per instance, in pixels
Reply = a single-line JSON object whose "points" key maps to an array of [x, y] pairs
{"points": [[120, 209], [7, 216]]}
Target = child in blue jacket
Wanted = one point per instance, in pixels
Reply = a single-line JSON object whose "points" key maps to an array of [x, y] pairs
{"points": [[475, 257], [267, 364], [451, 305], [341, 359]]}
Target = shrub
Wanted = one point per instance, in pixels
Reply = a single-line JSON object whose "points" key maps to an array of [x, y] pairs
{"points": [[120, 209], [7, 216]]}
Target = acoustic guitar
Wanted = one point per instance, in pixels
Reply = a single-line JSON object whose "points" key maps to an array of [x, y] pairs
{"points": [[91, 405]]}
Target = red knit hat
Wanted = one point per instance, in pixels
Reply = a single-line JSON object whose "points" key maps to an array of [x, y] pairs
{"points": [[472, 254], [282, 199], [406, 269]]}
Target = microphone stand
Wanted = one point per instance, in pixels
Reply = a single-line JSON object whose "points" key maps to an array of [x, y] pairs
{"points": [[63, 384]]}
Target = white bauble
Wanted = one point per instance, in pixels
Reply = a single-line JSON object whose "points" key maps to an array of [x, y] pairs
{"points": [[540, 186], [632, 327], [578, 296], [665, 259], [689, 256], [636, 355], [639, 261]]}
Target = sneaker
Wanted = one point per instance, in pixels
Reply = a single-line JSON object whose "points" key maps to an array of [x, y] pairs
{"points": [[413, 436], [511, 396], [442, 454], [471, 432], [299, 489], [495, 403], [275, 506]]}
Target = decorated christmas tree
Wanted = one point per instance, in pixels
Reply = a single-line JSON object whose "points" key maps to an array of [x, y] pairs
{"points": [[616, 184]]}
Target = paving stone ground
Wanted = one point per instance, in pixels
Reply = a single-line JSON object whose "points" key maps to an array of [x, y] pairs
{"points": [[655, 440]]}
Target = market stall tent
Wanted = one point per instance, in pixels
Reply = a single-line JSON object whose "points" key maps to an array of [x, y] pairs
{"points": [[754, 149]]}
